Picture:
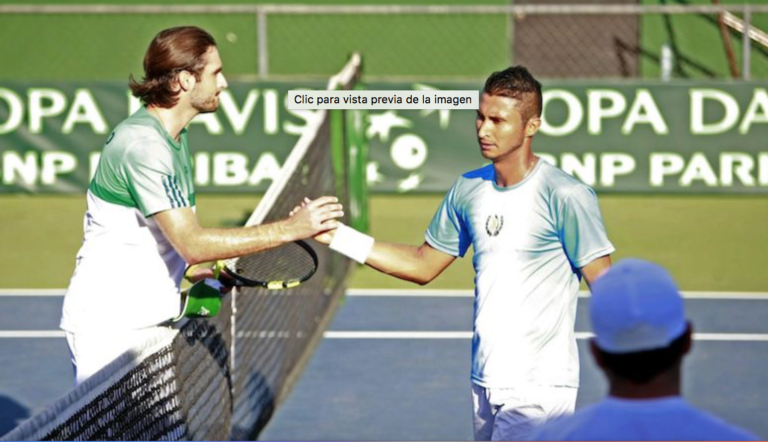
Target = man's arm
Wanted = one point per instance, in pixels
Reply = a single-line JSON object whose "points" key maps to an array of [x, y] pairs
{"points": [[419, 264], [416, 264], [595, 268], [197, 244]]}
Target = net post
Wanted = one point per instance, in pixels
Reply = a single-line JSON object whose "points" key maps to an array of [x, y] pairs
{"points": [[349, 151], [261, 32], [358, 161], [337, 151]]}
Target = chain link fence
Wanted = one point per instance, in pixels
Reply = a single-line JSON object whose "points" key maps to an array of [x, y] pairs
{"points": [[615, 39]]}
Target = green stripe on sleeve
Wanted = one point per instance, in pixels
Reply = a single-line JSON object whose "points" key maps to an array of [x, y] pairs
{"points": [[179, 192], [169, 192]]}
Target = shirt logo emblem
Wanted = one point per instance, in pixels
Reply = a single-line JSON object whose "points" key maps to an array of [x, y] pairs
{"points": [[494, 224]]}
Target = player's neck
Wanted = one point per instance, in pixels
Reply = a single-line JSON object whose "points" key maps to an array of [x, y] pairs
{"points": [[173, 119], [664, 385], [515, 167]]}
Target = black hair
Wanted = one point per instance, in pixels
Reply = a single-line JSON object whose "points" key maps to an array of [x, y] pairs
{"points": [[517, 83], [642, 366]]}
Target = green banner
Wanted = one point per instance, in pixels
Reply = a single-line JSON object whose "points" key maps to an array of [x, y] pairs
{"points": [[619, 137]]}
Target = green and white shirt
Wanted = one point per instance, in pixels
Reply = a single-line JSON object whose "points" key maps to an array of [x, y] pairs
{"points": [[128, 274]]}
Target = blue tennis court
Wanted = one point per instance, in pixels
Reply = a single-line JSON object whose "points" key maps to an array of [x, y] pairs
{"points": [[395, 365]]}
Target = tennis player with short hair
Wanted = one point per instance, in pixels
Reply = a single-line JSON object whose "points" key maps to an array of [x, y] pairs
{"points": [[641, 337], [535, 231], [140, 226]]}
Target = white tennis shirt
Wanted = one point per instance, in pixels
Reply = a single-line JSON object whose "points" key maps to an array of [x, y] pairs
{"points": [[128, 275], [529, 240]]}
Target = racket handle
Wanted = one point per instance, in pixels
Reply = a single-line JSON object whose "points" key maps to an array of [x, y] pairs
{"points": [[218, 266], [279, 285]]}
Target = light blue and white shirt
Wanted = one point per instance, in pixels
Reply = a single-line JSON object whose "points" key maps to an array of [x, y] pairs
{"points": [[529, 241], [667, 418]]}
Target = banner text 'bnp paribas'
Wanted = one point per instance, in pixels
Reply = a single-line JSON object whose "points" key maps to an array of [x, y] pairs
{"points": [[623, 137]]}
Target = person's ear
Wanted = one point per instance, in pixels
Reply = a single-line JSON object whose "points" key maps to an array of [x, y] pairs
{"points": [[688, 338], [186, 80], [596, 355], [532, 126]]}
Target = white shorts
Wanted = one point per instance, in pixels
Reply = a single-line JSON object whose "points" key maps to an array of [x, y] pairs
{"points": [[513, 413], [90, 352]]}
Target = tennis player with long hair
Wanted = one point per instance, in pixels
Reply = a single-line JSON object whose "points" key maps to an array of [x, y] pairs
{"points": [[536, 231], [140, 226]]}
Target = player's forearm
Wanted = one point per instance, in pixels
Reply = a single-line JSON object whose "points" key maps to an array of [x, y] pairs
{"points": [[595, 269], [197, 244], [402, 261], [208, 244], [419, 264]]}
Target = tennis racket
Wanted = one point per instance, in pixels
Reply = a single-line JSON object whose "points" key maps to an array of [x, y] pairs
{"points": [[282, 267]]}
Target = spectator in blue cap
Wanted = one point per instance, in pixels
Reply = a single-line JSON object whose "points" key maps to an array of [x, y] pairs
{"points": [[641, 337]]}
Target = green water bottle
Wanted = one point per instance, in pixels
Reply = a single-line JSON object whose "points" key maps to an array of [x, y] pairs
{"points": [[202, 300]]}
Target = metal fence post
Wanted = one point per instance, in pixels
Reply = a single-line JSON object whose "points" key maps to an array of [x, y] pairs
{"points": [[511, 33], [261, 35], [746, 62]]}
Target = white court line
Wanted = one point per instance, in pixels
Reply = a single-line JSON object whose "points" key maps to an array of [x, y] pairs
{"points": [[753, 337], [468, 335], [725, 295], [417, 293], [32, 292], [31, 334], [438, 293], [396, 335], [729, 337]]}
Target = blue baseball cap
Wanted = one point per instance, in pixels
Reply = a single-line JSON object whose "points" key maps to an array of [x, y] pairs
{"points": [[636, 306]]}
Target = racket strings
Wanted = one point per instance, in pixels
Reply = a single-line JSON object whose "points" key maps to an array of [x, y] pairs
{"points": [[288, 262]]}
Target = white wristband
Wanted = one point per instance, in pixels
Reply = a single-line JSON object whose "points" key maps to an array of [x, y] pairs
{"points": [[351, 243]]}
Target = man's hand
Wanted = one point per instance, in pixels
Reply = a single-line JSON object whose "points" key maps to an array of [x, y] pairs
{"points": [[323, 237], [198, 272], [313, 217]]}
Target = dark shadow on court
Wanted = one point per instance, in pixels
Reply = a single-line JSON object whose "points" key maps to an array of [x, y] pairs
{"points": [[11, 414], [260, 400], [204, 377]]}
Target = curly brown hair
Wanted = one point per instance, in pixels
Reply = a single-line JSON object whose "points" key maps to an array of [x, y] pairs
{"points": [[171, 51]]}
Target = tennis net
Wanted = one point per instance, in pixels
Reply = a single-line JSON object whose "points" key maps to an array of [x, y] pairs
{"points": [[223, 378]]}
